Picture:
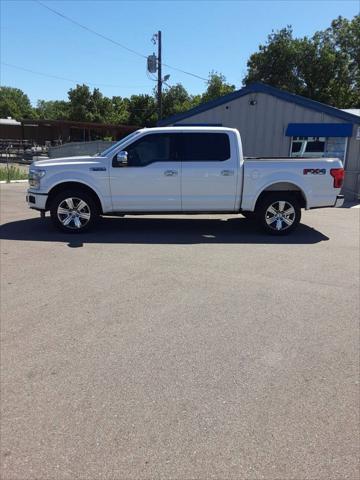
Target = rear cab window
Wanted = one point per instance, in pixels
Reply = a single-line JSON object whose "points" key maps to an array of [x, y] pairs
{"points": [[202, 147]]}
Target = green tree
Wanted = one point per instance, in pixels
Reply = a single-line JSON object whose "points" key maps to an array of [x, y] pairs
{"points": [[52, 109], [142, 110], [120, 113], [195, 101], [341, 42], [175, 99], [80, 104], [15, 103], [276, 62], [217, 87], [87, 106], [101, 108], [324, 67]]}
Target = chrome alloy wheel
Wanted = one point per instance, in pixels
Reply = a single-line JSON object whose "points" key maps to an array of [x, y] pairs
{"points": [[280, 215], [73, 213]]}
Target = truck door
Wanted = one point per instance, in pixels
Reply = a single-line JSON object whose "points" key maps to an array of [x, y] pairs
{"points": [[150, 180], [209, 171]]}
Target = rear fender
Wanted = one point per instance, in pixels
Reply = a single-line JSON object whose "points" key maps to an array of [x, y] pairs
{"points": [[273, 183]]}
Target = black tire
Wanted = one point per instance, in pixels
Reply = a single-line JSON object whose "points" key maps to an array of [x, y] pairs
{"points": [[278, 213], [83, 215]]}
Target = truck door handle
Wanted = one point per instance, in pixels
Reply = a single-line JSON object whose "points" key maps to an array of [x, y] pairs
{"points": [[170, 173], [227, 173]]}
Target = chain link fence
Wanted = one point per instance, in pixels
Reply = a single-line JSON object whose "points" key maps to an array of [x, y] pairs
{"points": [[79, 148]]}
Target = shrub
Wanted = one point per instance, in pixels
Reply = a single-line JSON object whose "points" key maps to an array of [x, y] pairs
{"points": [[12, 172]]}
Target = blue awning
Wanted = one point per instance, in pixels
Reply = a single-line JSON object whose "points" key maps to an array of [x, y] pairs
{"points": [[319, 130]]}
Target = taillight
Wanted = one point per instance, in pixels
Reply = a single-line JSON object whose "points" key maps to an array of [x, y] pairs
{"points": [[338, 174]]}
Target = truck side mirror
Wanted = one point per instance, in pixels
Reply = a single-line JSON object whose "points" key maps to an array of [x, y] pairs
{"points": [[122, 158]]}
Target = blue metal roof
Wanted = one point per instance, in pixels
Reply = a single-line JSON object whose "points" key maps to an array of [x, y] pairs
{"points": [[262, 88]]}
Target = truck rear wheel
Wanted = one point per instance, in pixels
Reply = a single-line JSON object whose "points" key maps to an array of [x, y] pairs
{"points": [[73, 211], [278, 213]]}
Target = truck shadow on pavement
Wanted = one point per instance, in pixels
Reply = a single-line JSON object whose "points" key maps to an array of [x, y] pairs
{"points": [[143, 230]]}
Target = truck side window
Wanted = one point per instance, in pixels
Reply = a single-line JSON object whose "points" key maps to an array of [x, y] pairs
{"points": [[203, 147], [149, 149]]}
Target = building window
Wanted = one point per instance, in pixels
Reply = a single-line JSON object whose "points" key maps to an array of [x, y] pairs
{"points": [[308, 146], [318, 147]]}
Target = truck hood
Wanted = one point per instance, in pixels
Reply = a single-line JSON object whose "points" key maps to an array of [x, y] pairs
{"points": [[68, 161]]}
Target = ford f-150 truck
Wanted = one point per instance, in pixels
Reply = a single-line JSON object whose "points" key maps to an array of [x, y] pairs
{"points": [[183, 170]]}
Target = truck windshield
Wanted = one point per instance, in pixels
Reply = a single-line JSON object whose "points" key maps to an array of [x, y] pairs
{"points": [[116, 145]]}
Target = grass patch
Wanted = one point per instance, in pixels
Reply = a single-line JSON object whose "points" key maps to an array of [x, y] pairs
{"points": [[12, 173]]}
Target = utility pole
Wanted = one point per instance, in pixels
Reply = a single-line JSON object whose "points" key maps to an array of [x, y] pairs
{"points": [[159, 82], [154, 65]]}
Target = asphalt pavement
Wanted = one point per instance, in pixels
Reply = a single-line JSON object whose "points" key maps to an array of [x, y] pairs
{"points": [[179, 348]]}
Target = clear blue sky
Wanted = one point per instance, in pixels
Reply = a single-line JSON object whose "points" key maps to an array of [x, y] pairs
{"points": [[198, 36]]}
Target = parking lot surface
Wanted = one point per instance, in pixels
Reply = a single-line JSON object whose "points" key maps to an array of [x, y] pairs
{"points": [[179, 348]]}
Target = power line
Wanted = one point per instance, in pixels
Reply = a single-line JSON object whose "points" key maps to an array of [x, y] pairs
{"points": [[74, 81], [84, 27], [186, 73], [104, 37], [67, 79]]}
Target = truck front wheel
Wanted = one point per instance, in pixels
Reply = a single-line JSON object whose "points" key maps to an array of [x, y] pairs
{"points": [[73, 211], [278, 213]]}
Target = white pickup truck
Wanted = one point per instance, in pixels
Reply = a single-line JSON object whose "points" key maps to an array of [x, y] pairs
{"points": [[183, 170]]}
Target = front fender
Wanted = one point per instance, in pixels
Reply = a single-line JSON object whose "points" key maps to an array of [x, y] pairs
{"points": [[100, 185]]}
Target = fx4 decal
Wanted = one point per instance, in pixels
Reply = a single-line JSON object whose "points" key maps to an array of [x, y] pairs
{"points": [[314, 171]]}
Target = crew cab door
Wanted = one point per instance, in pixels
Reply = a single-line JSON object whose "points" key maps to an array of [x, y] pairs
{"points": [[150, 181], [209, 171]]}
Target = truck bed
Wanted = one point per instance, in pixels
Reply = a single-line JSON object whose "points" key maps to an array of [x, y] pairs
{"points": [[310, 176]]}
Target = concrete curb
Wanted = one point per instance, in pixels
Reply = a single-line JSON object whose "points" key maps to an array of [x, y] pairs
{"points": [[14, 181]]}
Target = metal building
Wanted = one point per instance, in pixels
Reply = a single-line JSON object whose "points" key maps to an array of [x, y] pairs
{"points": [[59, 131], [273, 123]]}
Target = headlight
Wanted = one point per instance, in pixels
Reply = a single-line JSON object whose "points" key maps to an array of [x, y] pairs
{"points": [[34, 177]]}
